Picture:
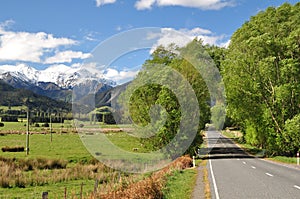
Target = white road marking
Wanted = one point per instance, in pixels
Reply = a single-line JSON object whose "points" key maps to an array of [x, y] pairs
{"points": [[269, 174], [244, 162], [253, 167], [214, 180], [297, 187]]}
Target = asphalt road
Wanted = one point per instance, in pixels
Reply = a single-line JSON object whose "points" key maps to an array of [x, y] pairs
{"points": [[234, 174]]}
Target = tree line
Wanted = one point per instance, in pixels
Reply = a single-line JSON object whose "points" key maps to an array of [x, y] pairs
{"points": [[260, 70]]}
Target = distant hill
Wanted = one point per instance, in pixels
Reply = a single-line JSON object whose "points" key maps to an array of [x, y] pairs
{"points": [[10, 96], [48, 89], [104, 98]]}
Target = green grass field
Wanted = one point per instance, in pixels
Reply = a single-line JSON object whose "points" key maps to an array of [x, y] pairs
{"points": [[65, 147]]}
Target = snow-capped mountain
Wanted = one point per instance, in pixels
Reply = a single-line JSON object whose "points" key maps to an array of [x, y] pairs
{"points": [[61, 75], [56, 82]]}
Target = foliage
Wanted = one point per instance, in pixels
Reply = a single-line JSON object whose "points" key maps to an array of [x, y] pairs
{"points": [[159, 105], [45, 124], [291, 136], [218, 116], [261, 74]]}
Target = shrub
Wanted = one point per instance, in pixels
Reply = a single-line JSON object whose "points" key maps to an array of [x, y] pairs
{"points": [[36, 125], [13, 149], [1, 124], [46, 124]]}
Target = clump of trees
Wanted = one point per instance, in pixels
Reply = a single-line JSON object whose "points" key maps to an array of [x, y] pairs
{"points": [[159, 106], [261, 72]]}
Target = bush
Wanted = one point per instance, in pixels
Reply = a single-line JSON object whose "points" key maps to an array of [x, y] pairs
{"points": [[81, 125], [290, 140], [1, 124], [36, 125], [13, 149], [7, 118], [46, 124]]}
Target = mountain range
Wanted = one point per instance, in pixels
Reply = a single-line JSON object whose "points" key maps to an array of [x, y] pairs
{"points": [[63, 76], [56, 82], [10, 96]]}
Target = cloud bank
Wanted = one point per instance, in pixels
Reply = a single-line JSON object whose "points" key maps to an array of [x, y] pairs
{"points": [[67, 57], [34, 47], [182, 37], [201, 4]]}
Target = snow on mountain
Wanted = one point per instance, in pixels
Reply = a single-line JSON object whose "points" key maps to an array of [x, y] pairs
{"points": [[22, 71], [63, 76]]}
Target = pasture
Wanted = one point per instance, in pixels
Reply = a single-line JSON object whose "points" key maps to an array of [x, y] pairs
{"points": [[64, 167]]}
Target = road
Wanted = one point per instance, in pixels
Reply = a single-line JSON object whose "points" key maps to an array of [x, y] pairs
{"points": [[234, 174]]}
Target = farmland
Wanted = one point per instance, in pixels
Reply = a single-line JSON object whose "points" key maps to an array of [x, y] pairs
{"points": [[64, 167]]}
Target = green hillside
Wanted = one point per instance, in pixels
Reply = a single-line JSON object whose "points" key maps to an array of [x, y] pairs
{"points": [[11, 97]]}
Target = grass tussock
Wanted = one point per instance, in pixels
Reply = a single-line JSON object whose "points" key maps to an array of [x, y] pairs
{"points": [[150, 187]]}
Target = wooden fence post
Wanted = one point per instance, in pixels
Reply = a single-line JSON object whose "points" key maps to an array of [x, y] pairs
{"points": [[45, 195], [65, 192], [81, 190], [95, 187]]}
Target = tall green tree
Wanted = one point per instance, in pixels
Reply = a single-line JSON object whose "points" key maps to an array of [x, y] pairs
{"points": [[160, 103], [262, 73]]}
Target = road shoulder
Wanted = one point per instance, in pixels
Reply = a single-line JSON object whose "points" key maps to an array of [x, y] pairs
{"points": [[201, 190]]}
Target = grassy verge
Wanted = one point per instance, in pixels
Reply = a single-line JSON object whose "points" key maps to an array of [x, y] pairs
{"points": [[288, 160], [180, 184]]}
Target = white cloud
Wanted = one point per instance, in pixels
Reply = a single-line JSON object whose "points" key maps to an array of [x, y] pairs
{"points": [[90, 37], [6, 24], [119, 76], [144, 4], [25, 46], [201, 4], [67, 57], [225, 44], [183, 36], [103, 2]]}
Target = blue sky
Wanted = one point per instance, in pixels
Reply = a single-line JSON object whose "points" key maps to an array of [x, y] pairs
{"points": [[46, 33]]}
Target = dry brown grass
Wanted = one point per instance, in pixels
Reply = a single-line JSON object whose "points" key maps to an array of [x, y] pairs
{"points": [[149, 187], [112, 184], [39, 172]]}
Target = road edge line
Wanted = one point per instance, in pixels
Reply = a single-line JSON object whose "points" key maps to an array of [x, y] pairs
{"points": [[214, 180]]}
